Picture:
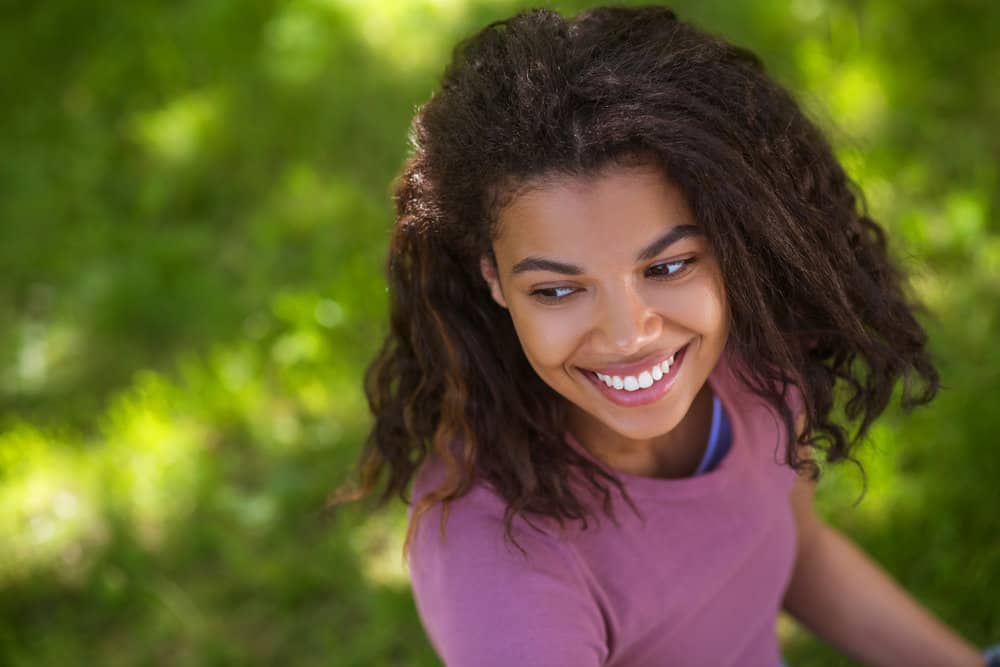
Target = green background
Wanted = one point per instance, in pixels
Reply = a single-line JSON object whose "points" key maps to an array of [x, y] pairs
{"points": [[194, 205]]}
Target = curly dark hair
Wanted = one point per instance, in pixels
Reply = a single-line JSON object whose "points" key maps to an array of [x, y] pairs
{"points": [[815, 302]]}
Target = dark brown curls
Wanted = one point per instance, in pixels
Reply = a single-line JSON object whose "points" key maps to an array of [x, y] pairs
{"points": [[815, 302]]}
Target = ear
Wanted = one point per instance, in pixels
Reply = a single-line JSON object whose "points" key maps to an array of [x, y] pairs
{"points": [[488, 268]]}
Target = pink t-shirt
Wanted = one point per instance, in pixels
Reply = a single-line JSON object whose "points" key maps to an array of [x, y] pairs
{"points": [[698, 583]]}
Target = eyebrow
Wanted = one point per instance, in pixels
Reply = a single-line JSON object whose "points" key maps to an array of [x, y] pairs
{"points": [[663, 242]]}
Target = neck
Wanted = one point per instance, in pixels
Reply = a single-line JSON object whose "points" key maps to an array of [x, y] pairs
{"points": [[672, 455]]}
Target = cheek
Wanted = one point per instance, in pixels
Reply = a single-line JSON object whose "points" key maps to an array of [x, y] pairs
{"points": [[700, 307], [550, 338]]}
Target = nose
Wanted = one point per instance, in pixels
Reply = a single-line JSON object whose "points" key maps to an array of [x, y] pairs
{"points": [[628, 322]]}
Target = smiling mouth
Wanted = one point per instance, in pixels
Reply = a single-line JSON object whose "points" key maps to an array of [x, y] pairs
{"points": [[639, 385], [642, 380]]}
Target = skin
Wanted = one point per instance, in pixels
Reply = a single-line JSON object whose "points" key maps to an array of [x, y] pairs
{"points": [[615, 308], [846, 598]]}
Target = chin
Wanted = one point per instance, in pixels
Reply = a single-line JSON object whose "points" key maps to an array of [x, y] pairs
{"points": [[641, 429], [644, 432]]}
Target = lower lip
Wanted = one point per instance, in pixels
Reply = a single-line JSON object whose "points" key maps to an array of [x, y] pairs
{"points": [[631, 399]]}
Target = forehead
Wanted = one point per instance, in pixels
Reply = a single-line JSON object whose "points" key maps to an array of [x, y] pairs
{"points": [[617, 208]]}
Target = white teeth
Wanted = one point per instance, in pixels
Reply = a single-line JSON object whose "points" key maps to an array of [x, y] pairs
{"points": [[666, 364], [644, 380]]}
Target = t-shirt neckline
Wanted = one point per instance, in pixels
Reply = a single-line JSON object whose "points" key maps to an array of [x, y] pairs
{"points": [[682, 487]]}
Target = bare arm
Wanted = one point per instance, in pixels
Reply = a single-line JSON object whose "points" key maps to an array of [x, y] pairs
{"points": [[847, 599]]}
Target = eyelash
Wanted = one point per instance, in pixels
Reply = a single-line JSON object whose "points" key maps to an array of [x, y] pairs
{"points": [[685, 266], [544, 295]]}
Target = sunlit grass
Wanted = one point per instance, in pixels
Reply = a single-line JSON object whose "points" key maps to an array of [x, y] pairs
{"points": [[51, 518], [846, 93], [178, 132], [44, 349], [406, 34], [56, 494], [858, 99], [152, 455], [297, 44], [379, 548], [888, 485]]}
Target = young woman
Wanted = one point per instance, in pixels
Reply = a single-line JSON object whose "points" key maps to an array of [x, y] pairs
{"points": [[629, 284]]}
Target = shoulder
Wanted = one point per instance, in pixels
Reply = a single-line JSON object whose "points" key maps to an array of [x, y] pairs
{"points": [[729, 379], [474, 530], [484, 601], [756, 422]]}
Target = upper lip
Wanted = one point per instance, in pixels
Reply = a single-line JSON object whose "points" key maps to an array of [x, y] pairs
{"points": [[636, 367]]}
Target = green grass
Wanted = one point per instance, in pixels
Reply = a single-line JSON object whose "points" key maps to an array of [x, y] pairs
{"points": [[194, 205]]}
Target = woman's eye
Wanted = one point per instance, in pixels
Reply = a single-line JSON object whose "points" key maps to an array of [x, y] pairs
{"points": [[552, 294], [669, 269]]}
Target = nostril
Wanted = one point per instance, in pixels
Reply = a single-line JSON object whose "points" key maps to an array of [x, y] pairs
{"points": [[628, 323], [628, 337]]}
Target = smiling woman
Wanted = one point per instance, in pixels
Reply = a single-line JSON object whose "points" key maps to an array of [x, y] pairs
{"points": [[628, 280], [610, 276]]}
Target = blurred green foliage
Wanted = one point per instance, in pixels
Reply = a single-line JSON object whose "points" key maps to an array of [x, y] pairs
{"points": [[194, 204]]}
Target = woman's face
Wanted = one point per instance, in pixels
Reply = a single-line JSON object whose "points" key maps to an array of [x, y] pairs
{"points": [[615, 296]]}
